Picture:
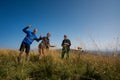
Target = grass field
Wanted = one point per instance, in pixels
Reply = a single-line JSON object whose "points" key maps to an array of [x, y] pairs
{"points": [[86, 66]]}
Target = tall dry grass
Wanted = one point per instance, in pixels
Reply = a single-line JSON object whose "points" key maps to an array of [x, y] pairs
{"points": [[51, 67]]}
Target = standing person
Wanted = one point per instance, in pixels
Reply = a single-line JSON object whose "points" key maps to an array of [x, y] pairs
{"points": [[27, 41], [45, 44], [66, 43]]}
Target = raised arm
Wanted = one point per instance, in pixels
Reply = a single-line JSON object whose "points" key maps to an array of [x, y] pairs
{"points": [[25, 29]]}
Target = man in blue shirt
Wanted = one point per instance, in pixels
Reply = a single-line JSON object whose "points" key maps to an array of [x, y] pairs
{"points": [[27, 41]]}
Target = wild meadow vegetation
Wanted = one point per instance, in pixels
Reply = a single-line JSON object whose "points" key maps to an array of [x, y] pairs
{"points": [[86, 66]]}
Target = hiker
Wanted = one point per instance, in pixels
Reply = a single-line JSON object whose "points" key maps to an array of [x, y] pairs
{"points": [[27, 41], [66, 43], [44, 45], [80, 51]]}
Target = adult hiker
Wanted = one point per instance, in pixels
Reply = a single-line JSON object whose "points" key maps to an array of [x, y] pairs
{"points": [[66, 43], [44, 45], [27, 41]]}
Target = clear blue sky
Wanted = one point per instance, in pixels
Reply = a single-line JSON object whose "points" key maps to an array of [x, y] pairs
{"points": [[91, 24]]}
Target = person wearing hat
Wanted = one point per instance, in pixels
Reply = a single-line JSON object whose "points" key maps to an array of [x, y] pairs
{"points": [[27, 41], [66, 43], [45, 44]]}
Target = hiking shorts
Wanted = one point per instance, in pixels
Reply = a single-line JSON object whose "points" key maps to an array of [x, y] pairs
{"points": [[25, 47], [41, 46]]}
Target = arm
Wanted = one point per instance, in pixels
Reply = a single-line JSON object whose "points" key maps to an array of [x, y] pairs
{"points": [[25, 29], [69, 43], [47, 42], [38, 39], [62, 43]]}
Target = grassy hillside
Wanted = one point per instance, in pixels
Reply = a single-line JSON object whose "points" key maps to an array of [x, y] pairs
{"points": [[51, 67]]}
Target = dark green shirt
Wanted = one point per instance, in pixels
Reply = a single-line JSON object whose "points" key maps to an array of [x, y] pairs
{"points": [[64, 44]]}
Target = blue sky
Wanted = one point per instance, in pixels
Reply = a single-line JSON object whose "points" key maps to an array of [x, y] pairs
{"points": [[90, 24]]}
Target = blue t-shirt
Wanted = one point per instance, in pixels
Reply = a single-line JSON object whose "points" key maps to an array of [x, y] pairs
{"points": [[30, 37]]}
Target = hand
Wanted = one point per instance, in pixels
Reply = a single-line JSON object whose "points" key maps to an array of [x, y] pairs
{"points": [[40, 35], [66, 44], [29, 26]]}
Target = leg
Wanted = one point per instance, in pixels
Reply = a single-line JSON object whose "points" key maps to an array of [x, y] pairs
{"points": [[19, 57], [27, 56], [40, 52], [67, 52], [63, 53], [43, 51], [22, 47], [47, 50], [27, 51]]}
